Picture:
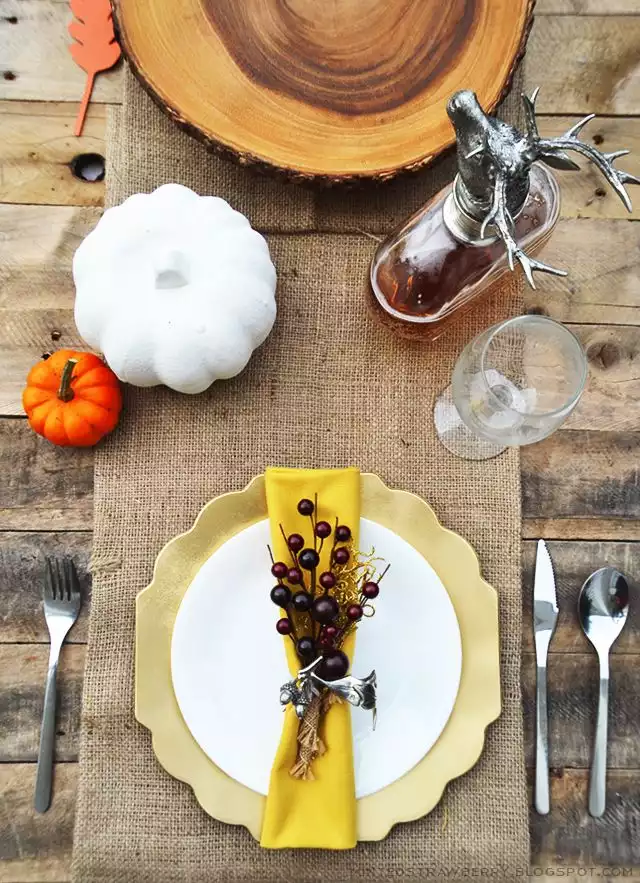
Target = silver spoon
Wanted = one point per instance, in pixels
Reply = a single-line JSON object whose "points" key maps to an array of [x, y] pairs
{"points": [[603, 606]]}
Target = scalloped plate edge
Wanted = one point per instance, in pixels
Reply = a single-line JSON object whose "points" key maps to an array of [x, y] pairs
{"points": [[478, 703]]}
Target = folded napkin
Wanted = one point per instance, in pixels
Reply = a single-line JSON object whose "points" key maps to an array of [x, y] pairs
{"points": [[320, 812]]}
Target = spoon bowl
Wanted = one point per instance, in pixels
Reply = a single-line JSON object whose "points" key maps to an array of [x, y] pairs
{"points": [[603, 608]]}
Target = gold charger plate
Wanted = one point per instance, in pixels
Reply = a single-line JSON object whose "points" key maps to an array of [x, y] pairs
{"points": [[460, 743]]}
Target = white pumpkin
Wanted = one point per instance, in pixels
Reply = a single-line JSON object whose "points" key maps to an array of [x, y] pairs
{"points": [[174, 288]]}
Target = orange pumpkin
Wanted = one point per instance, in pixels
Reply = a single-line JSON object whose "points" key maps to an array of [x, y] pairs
{"points": [[72, 398]]}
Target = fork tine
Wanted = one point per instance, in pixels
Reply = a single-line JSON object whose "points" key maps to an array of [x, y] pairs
{"points": [[49, 585], [72, 579], [60, 581], [67, 578], [76, 580], [62, 575]]}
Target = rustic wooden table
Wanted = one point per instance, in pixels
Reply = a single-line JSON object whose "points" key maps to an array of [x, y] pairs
{"points": [[581, 489]]}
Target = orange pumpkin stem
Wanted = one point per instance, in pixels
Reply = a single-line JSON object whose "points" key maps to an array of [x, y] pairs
{"points": [[65, 393]]}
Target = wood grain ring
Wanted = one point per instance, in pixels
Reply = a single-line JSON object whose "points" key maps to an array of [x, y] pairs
{"points": [[296, 90]]}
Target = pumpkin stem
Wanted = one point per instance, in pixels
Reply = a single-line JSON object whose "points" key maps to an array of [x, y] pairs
{"points": [[65, 393]]}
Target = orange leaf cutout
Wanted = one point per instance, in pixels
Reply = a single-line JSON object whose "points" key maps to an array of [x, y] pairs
{"points": [[95, 48]]}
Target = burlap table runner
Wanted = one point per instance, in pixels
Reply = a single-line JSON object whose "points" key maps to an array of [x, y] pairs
{"points": [[331, 387]]}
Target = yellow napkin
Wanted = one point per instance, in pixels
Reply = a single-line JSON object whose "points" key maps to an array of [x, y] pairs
{"points": [[320, 813]]}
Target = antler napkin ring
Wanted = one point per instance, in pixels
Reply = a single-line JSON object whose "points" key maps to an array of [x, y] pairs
{"points": [[301, 691]]}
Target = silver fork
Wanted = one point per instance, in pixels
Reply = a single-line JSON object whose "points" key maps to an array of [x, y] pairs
{"points": [[61, 607]]}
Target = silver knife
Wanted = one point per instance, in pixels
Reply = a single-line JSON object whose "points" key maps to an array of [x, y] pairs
{"points": [[545, 615]]}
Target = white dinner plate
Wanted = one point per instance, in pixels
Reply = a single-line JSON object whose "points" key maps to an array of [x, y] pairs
{"points": [[228, 662]]}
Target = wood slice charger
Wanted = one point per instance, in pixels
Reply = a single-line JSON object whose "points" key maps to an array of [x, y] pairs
{"points": [[325, 90]]}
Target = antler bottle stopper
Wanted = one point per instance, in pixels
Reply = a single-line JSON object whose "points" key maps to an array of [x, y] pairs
{"points": [[500, 210]]}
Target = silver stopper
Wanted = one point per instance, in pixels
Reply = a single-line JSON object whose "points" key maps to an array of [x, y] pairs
{"points": [[494, 160]]}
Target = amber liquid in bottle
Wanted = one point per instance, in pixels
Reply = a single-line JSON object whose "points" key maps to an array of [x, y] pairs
{"points": [[422, 275]]}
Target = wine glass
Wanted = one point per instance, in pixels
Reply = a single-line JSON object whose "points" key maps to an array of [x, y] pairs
{"points": [[512, 385]]}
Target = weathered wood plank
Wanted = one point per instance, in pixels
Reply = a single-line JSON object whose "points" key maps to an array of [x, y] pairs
{"points": [[36, 151], [23, 670], [38, 147], [603, 284], [611, 400], [36, 60], [582, 63], [588, 7], [571, 475], [573, 685], [573, 692], [585, 63], [22, 556], [586, 194], [580, 474], [572, 564], [36, 848], [36, 299], [37, 245], [603, 528], [43, 487], [36, 289], [568, 836]]}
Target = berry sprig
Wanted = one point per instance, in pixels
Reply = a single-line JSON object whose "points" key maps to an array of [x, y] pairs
{"points": [[322, 610]]}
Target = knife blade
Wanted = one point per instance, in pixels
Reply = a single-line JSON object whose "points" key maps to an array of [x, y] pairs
{"points": [[545, 616]]}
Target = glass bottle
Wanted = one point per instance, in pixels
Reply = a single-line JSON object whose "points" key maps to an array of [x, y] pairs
{"points": [[424, 272], [498, 212]]}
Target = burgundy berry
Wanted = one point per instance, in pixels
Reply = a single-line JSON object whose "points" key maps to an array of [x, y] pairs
{"points": [[305, 507], [323, 530], [371, 590], [330, 631], [343, 533], [279, 570], [341, 555], [354, 612], [334, 665], [294, 576], [327, 580], [324, 609], [280, 595], [301, 602], [283, 626], [309, 559], [306, 648], [295, 542], [324, 641]]}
